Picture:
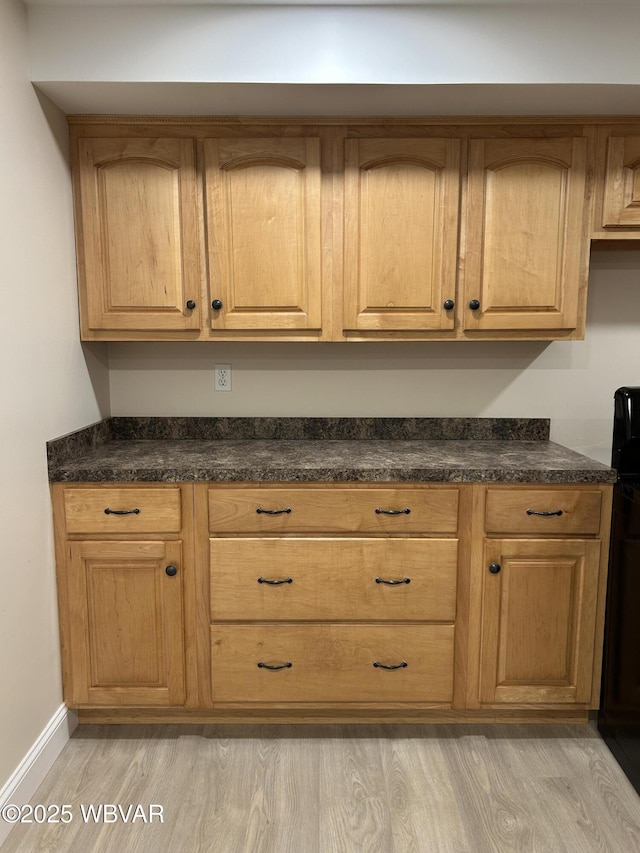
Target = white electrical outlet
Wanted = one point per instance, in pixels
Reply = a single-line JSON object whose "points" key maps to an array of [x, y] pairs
{"points": [[222, 380]]}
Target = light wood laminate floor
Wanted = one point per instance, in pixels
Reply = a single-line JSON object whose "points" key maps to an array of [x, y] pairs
{"points": [[342, 789]]}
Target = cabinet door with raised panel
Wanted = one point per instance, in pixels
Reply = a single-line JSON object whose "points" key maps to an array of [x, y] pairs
{"points": [[401, 234], [526, 235], [539, 600], [264, 233], [125, 628], [621, 204], [139, 253]]}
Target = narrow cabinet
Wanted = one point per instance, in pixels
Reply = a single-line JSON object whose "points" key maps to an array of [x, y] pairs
{"points": [[264, 234], [401, 234], [137, 237], [125, 591], [527, 242], [538, 620], [617, 208], [537, 595], [126, 634]]}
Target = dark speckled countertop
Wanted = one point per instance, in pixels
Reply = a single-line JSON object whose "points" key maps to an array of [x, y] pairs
{"points": [[457, 450]]}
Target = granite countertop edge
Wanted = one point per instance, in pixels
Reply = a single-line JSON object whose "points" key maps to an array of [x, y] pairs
{"points": [[347, 451], [354, 475]]}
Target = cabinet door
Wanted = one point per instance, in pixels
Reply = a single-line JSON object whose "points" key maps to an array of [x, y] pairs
{"points": [[125, 632], [139, 257], [401, 233], [622, 182], [264, 233], [538, 621], [526, 238]]}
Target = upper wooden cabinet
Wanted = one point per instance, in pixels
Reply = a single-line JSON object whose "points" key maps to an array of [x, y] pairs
{"points": [[527, 246], [138, 246], [332, 230], [401, 233], [264, 233], [617, 209]]}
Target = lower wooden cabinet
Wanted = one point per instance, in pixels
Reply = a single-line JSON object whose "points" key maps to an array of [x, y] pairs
{"points": [[539, 617], [126, 639], [536, 608], [240, 599]]}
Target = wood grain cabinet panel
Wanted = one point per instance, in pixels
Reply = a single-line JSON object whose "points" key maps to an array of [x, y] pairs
{"points": [[333, 579], [401, 233], [332, 664], [539, 511], [122, 510], [125, 628], [539, 621], [526, 237], [264, 233], [621, 202], [332, 510], [138, 242]]}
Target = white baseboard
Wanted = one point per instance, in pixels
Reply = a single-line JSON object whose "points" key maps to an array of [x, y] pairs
{"points": [[25, 780]]}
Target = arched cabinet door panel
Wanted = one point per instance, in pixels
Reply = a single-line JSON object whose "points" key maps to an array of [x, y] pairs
{"points": [[526, 235], [401, 233], [264, 233], [139, 255]]}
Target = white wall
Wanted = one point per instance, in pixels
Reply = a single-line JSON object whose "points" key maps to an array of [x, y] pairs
{"points": [[570, 382], [414, 59], [330, 44], [48, 386]]}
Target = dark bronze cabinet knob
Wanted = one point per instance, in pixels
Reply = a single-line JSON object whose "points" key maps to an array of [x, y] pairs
{"points": [[172, 571], [495, 568], [449, 304], [474, 304], [216, 304], [191, 304]]}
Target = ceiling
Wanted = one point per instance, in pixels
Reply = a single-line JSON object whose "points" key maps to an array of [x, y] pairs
{"points": [[322, 3]]}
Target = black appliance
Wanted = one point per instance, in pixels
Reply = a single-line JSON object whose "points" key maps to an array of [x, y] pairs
{"points": [[619, 714]]}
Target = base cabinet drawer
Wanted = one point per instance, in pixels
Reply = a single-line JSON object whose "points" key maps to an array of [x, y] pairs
{"points": [[123, 510], [546, 512], [332, 663], [326, 580], [334, 510]]}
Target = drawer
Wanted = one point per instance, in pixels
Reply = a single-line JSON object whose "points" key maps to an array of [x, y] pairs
{"points": [[333, 579], [120, 510], [332, 663], [571, 511], [334, 510]]}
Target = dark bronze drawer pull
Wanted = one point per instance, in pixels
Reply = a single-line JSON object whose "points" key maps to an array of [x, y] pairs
{"points": [[379, 665], [135, 511], [276, 582], [261, 511], [393, 583], [544, 514], [404, 511], [274, 666]]}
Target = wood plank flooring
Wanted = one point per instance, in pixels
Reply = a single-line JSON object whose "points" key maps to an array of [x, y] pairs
{"points": [[341, 789]]}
